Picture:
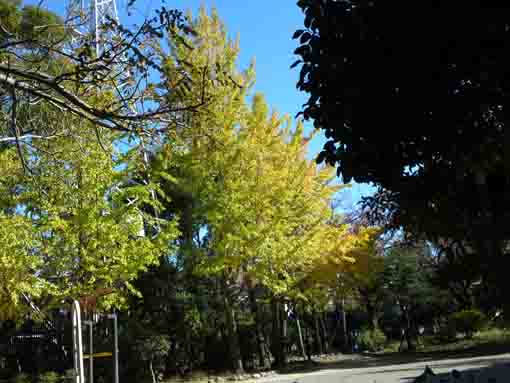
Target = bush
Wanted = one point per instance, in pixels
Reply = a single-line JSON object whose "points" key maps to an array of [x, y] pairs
{"points": [[371, 340], [468, 322], [69, 376], [49, 377], [21, 378], [447, 332], [153, 349]]}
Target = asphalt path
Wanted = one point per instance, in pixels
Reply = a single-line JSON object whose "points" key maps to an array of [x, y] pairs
{"points": [[497, 365]]}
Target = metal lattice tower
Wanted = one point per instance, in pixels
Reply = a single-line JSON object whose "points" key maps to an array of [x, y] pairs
{"points": [[88, 17]]}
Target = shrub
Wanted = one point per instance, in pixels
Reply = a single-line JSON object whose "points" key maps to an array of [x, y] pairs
{"points": [[21, 378], [468, 322], [447, 332], [153, 349], [49, 377], [371, 340], [69, 376]]}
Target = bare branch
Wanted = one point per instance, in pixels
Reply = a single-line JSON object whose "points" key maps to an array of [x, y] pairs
{"points": [[15, 129], [75, 104], [28, 137]]}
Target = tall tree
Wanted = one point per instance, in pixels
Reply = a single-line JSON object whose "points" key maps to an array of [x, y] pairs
{"points": [[408, 287], [45, 62], [84, 228], [441, 94], [191, 161]]}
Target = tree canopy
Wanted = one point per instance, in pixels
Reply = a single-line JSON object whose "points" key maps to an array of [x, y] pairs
{"points": [[45, 60], [414, 99], [79, 225], [193, 208]]}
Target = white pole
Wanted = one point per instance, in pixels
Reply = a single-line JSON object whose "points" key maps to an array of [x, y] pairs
{"points": [[77, 343], [91, 350], [115, 348]]}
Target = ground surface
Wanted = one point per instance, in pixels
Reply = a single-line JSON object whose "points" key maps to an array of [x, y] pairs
{"points": [[387, 370]]}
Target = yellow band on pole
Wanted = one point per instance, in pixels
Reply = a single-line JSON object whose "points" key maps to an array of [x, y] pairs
{"points": [[98, 355]]}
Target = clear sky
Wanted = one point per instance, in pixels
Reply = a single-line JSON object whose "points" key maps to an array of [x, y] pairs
{"points": [[265, 28]]}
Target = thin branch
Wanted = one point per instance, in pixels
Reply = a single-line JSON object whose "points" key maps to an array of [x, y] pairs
{"points": [[97, 115], [28, 137], [15, 128], [26, 87]]}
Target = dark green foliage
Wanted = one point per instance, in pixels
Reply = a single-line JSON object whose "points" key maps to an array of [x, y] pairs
{"points": [[371, 340], [416, 106], [472, 282], [248, 345], [40, 24], [9, 15], [68, 376], [153, 347], [447, 333], [408, 279], [468, 322], [50, 377], [21, 378], [30, 23], [457, 270]]}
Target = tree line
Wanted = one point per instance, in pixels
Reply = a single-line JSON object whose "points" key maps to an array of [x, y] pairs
{"points": [[182, 201], [148, 178], [420, 110]]}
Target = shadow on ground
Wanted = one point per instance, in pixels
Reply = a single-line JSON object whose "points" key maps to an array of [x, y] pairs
{"points": [[493, 373], [381, 360]]}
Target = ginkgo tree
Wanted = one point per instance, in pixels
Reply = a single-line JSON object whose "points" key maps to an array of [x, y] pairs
{"points": [[190, 158], [240, 177], [224, 209], [74, 225], [268, 224], [190, 164], [348, 262]]}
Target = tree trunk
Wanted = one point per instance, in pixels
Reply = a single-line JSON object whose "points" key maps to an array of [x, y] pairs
{"points": [[408, 333], [171, 362], [236, 360], [325, 337], [344, 324], [285, 337], [264, 361], [279, 335], [318, 338], [152, 372], [409, 339], [300, 335], [372, 316], [308, 345]]}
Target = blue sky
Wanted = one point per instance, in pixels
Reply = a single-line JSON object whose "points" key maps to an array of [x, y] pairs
{"points": [[265, 28]]}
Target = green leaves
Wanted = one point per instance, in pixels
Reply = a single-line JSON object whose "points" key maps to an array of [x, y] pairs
{"points": [[361, 72], [267, 217], [79, 226]]}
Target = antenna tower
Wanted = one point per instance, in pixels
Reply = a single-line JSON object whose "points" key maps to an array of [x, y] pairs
{"points": [[88, 17]]}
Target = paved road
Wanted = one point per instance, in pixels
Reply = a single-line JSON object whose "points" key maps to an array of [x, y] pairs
{"points": [[399, 373]]}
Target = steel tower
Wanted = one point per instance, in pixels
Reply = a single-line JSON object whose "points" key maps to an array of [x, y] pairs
{"points": [[88, 18]]}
